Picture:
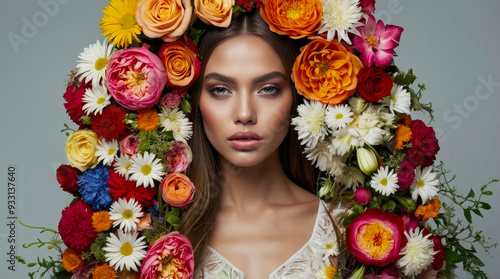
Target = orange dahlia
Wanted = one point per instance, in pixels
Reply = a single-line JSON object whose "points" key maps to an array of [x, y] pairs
{"points": [[326, 71], [294, 18], [71, 261]]}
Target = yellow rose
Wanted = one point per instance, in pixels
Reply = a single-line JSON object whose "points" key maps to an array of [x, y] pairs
{"points": [[80, 149], [165, 19], [215, 12]]}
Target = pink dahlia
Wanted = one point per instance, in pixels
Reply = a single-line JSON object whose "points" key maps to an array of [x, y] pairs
{"points": [[76, 228], [374, 237], [377, 42], [171, 256], [178, 157], [135, 77], [424, 145]]}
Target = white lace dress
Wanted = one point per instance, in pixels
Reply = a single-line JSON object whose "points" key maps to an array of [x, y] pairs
{"points": [[308, 262]]}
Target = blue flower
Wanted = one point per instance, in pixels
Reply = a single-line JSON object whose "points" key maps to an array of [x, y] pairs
{"points": [[94, 188]]}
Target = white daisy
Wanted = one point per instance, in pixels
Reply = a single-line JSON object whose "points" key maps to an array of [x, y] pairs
{"points": [[93, 62], [146, 168], [399, 100], [341, 16], [424, 184], [126, 214], [96, 99], [418, 254], [327, 271], [125, 251], [310, 124], [385, 181], [338, 116], [175, 120], [106, 151], [325, 248], [122, 165]]}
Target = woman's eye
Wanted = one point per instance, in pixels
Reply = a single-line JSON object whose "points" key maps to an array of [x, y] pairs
{"points": [[269, 90], [218, 91]]}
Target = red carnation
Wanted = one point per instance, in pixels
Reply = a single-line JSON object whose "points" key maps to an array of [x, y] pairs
{"points": [[119, 187], [109, 124], [74, 104], [424, 145], [67, 178], [373, 84], [76, 228]]}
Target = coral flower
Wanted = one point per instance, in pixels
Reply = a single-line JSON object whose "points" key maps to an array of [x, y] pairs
{"points": [[177, 190], [101, 221], [296, 18], [374, 237], [71, 261], [402, 135], [104, 271], [119, 23], [326, 71], [181, 62], [148, 120], [431, 210], [377, 42]]}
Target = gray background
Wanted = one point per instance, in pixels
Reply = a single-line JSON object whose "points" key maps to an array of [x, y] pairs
{"points": [[451, 46]]}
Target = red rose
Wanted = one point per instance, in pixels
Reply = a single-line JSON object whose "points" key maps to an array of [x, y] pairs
{"points": [[109, 124], [119, 187], [424, 145], [374, 84], [406, 175], [67, 178]]}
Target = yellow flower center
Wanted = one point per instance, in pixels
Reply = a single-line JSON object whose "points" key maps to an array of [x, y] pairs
{"points": [[376, 239], [126, 249], [128, 214], [293, 12], [420, 183], [101, 100], [146, 169], [135, 81], [339, 116], [111, 151], [330, 271], [101, 63], [383, 182], [372, 41], [127, 21], [329, 246]]}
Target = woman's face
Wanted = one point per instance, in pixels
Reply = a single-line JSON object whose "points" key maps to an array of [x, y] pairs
{"points": [[245, 101]]}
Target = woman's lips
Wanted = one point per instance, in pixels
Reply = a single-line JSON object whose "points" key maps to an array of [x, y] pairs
{"points": [[245, 140]]}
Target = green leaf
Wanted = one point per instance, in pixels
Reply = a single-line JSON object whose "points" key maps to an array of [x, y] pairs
{"points": [[484, 206], [31, 264], [488, 193], [478, 212], [471, 194], [467, 214], [174, 220], [186, 106], [63, 274], [452, 258]]}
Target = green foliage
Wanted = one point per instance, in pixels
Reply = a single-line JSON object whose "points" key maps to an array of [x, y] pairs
{"points": [[407, 79], [459, 238], [67, 130], [155, 142], [96, 249]]}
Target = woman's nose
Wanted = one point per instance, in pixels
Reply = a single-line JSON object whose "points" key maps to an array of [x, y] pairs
{"points": [[244, 110]]}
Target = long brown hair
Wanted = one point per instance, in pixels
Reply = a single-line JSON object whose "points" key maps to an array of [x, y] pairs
{"points": [[204, 171]]}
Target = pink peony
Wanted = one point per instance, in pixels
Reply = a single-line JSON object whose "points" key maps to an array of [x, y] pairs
{"points": [[135, 77], [374, 237], [129, 144], [424, 145], [406, 175], [173, 98], [171, 256], [178, 157], [362, 196], [377, 42]]}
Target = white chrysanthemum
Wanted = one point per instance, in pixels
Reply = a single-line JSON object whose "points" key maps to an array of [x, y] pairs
{"points": [[365, 127], [384, 181], [106, 151], [338, 116], [341, 16], [146, 168], [351, 177], [96, 99], [93, 62], [399, 100], [125, 251], [310, 124], [176, 121], [126, 214], [342, 141], [320, 155], [418, 254], [424, 184], [122, 165]]}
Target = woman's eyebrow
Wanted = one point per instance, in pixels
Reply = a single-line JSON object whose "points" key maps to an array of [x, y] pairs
{"points": [[263, 78]]}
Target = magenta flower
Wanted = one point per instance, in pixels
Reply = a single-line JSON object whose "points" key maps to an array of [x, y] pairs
{"points": [[362, 196], [377, 42]]}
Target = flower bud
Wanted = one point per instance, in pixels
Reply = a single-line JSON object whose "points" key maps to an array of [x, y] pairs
{"points": [[362, 196], [357, 104], [389, 206], [359, 273], [367, 160]]}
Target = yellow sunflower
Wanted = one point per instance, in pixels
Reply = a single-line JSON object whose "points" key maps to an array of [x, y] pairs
{"points": [[119, 23]]}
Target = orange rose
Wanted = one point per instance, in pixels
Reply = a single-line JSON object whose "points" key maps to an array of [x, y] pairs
{"points": [[181, 63], [165, 19], [326, 71], [215, 12], [295, 18], [431, 210], [177, 190]]}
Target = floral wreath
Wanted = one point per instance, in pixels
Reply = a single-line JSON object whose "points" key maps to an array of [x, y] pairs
{"points": [[127, 159]]}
